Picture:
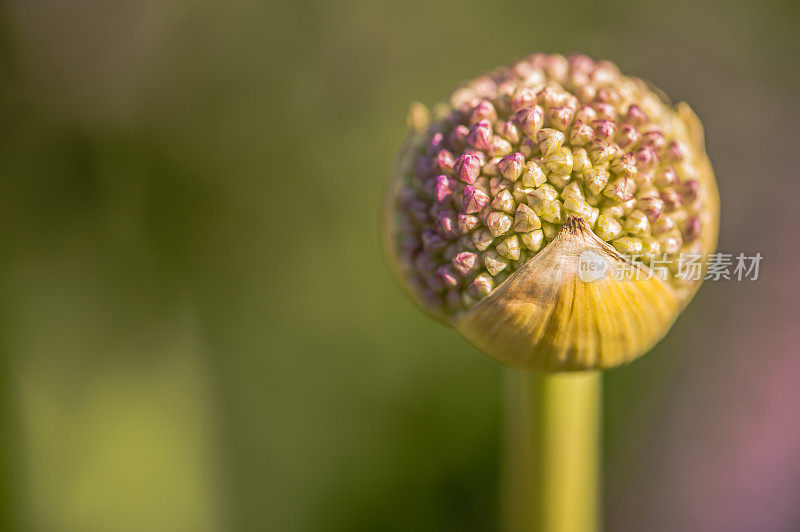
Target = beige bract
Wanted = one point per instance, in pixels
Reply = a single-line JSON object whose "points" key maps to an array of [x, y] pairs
{"points": [[531, 173]]}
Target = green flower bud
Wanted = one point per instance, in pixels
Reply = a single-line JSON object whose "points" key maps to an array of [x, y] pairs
{"points": [[550, 140], [636, 224], [532, 240], [559, 161], [532, 175], [628, 245], [525, 220], [580, 160], [504, 201], [509, 248], [482, 238], [494, 262], [596, 180], [499, 223], [607, 228]]}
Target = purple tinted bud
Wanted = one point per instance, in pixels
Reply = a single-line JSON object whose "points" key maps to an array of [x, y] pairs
{"points": [[671, 198], [510, 132], [689, 190], [483, 110], [467, 223], [419, 212], [651, 205], [510, 166], [523, 98], [609, 95], [691, 229], [560, 117], [477, 153], [446, 225], [464, 263], [604, 129], [467, 168], [605, 111], [635, 115], [581, 134], [436, 143], [497, 185], [528, 146], [646, 157], [586, 114], [666, 177], [458, 137], [581, 63], [627, 136], [425, 262], [556, 66], [530, 119], [432, 241], [474, 200], [655, 139], [674, 152], [480, 135], [446, 276], [444, 162]]}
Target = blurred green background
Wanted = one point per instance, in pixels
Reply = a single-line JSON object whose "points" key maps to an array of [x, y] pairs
{"points": [[198, 331]]}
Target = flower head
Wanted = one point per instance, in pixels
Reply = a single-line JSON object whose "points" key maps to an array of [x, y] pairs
{"points": [[521, 154]]}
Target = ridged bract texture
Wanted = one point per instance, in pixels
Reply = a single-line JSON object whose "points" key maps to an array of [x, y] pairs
{"points": [[529, 210]]}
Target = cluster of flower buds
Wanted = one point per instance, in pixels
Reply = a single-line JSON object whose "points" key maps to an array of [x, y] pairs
{"points": [[499, 170]]}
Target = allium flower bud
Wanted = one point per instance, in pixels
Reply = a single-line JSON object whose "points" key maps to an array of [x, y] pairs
{"points": [[467, 168], [581, 134], [498, 197], [550, 140], [511, 166], [480, 135], [529, 119], [532, 175]]}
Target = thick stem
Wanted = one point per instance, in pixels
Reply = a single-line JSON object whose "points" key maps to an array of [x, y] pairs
{"points": [[552, 454]]}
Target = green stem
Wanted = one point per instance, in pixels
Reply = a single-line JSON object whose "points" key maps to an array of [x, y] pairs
{"points": [[552, 455]]}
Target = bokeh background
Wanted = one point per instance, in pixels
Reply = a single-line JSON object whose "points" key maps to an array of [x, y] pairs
{"points": [[197, 330]]}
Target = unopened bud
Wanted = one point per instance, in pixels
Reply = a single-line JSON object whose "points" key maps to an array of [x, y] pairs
{"points": [[499, 223], [529, 119], [467, 168], [480, 135], [532, 240], [525, 220], [607, 228], [596, 179], [559, 161], [532, 175], [628, 245], [581, 134], [464, 263], [504, 201], [474, 199], [509, 248], [511, 166], [482, 239], [580, 160], [550, 140], [494, 262], [636, 223]]}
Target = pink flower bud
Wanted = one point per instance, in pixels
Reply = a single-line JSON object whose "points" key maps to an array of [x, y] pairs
{"points": [[467, 168]]}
